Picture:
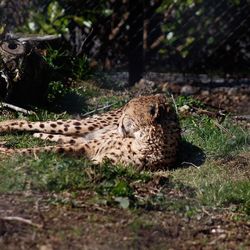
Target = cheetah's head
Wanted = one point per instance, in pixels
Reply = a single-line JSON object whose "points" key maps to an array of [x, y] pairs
{"points": [[146, 111]]}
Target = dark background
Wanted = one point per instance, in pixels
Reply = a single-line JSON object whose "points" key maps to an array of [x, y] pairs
{"points": [[209, 36]]}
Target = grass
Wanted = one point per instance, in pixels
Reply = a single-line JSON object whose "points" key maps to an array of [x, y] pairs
{"points": [[214, 139], [222, 181], [216, 186]]}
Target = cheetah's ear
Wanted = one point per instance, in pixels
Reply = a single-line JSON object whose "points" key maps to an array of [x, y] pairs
{"points": [[158, 112]]}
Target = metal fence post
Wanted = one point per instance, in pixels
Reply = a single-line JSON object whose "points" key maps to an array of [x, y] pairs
{"points": [[135, 48]]}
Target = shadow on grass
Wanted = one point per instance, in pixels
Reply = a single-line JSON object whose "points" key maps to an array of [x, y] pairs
{"points": [[190, 155], [72, 103]]}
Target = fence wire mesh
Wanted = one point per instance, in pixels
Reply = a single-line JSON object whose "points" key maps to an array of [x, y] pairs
{"points": [[156, 35]]}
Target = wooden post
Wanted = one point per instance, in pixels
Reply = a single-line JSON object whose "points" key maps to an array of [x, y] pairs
{"points": [[135, 53]]}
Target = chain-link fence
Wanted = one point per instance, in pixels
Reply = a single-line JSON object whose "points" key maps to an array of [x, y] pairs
{"points": [[141, 36]]}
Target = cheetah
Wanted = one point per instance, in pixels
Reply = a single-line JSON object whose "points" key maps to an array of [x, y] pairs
{"points": [[144, 133]]}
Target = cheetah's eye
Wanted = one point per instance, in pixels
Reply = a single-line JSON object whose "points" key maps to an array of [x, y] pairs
{"points": [[152, 110]]}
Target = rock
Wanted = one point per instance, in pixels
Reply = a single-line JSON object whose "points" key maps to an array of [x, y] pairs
{"points": [[189, 90]]}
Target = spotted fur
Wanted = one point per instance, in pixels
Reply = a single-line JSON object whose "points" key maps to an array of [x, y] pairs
{"points": [[144, 133]]}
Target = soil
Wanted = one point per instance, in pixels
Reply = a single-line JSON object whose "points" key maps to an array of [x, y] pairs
{"points": [[86, 225], [229, 93], [101, 227]]}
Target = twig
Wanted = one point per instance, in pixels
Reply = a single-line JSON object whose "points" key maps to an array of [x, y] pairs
{"points": [[20, 219], [39, 38], [2, 143], [242, 117], [83, 42], [97, 109], [176, 109], [205, 211], [189, 163], [204, 112], [209, 113], [18, 109], [223, 129]]}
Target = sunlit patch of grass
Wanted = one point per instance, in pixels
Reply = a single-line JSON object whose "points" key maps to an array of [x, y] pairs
{"points": [[47, 172], [112, 185], [17, 140], [218, 185], [44, 115], [215, 139], [50, 172], [115, 101], [228, 193], [224, 179]]}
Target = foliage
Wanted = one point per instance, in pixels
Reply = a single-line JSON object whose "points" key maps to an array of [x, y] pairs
{"points": [[191, 37], [80, 68], [56, 90], [58, 16], [65, 66], [55, 58], [188, 100], [187, 29], [51, 19]]}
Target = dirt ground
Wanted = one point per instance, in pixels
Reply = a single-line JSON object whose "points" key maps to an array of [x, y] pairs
{"points": [[91, 226], [87, 225], [94, 227]]}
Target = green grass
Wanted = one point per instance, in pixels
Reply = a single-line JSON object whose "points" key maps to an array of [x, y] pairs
{"points": [[46, 173], [53, 173], [222, 181], [16, 140], [217, 186], [215, 139]]}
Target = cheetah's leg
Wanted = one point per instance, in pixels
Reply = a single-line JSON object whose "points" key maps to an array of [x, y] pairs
{"points": [[69, 127], [60, 138], [66, 127], [78, 149]]}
